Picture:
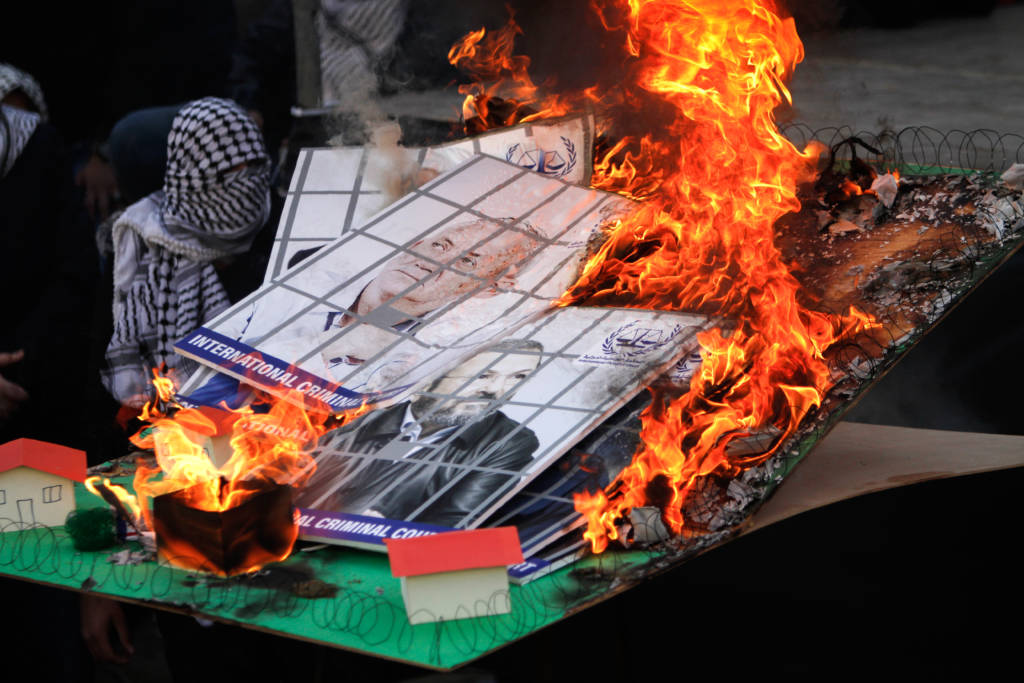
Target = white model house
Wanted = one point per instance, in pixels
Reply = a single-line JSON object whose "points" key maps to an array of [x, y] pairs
{"points": [[37, 482], [455, 574]]}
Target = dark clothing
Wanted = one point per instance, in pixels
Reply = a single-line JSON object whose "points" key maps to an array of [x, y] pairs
{"points": [[138, 151], [97, 61], [262, 75], [47, 272], [493, 441]]}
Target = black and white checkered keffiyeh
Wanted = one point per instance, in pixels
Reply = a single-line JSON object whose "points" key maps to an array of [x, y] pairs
{"points": [[16, 127], [12, 78], [354, 36], [216, 197]]}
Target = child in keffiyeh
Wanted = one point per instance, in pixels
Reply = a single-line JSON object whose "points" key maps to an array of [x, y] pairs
{"points": [[215, 198]]}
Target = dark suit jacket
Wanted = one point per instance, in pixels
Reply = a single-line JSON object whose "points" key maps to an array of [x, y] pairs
{"points": [[493, 441]]}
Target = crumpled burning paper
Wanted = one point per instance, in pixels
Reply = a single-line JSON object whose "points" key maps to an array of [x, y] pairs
{"points": [[885, 187]]}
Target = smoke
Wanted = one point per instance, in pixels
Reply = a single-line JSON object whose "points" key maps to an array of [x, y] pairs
{"points": [[391, 167]]}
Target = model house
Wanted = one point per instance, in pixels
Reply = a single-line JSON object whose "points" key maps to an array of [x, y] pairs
{"points": [[455, 574], [37, 481]]}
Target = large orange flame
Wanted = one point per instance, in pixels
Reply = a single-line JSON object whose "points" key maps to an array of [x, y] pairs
{"points": [[268, 447], [714, 183], [265, 449]]}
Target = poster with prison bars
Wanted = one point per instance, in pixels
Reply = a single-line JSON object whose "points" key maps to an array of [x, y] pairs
{"points": [[543, 511], [336, 189], [454, 264], [472, 435]]}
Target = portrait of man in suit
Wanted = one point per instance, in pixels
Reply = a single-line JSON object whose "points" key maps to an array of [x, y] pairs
{"points": [[482, 256], [479, 256], [438, 458]]}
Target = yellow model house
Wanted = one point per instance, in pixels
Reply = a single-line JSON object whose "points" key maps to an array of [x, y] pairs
{"points": [[37, 482]]}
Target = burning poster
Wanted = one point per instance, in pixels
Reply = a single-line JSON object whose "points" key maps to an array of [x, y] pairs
{"points": [[473, 434], [457, 263], [543, 511], [336, 189]]}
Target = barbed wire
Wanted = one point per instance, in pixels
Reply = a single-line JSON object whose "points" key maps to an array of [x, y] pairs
{"points": [[906, 296], [921, 148]]}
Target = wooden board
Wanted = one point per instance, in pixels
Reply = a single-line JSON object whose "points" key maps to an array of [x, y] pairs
{"points": [[857, 459]]}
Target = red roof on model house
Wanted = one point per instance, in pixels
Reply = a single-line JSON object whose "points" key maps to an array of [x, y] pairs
{"points": [[454, 550], [44, 456]]}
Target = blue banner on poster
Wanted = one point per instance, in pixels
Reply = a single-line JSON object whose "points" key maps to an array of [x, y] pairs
{"points": [[266, 371], [360, 530]]}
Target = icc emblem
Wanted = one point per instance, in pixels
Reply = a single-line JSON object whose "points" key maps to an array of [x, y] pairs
{"points": [[632, 340], [555, 163]]}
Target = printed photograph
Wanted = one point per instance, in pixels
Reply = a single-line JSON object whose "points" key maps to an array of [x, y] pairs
{"points": [[462, 261], [337, 189], [474, 434]]}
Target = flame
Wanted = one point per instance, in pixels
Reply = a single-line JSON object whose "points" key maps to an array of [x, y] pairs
{"points": [[636, 175], [502, 92], [852, 189], [258, 454], [130, 502], [713, 183], [266, 448]]}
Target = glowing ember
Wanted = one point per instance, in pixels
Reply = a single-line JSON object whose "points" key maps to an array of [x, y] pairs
{"points": [[714, 183], [268, 451]]}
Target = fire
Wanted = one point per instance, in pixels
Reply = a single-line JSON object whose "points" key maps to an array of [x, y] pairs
{"points": [[713, 183], [502, 92], [276, 455], [851, 189], [129, 502], [267, 450]]}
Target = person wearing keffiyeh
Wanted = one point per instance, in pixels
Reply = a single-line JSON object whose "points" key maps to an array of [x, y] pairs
{"points": [[18, 93], [355, 37], [215, 198], [23, 109], [47, 270], [16, 128], [14, 81]]}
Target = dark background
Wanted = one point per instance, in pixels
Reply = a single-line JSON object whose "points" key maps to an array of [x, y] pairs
{"points": [[917, 582]]}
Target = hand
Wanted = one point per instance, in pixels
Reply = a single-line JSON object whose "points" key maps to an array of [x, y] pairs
{"points": [[98, 617], [11, 395], [97, 177]]}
